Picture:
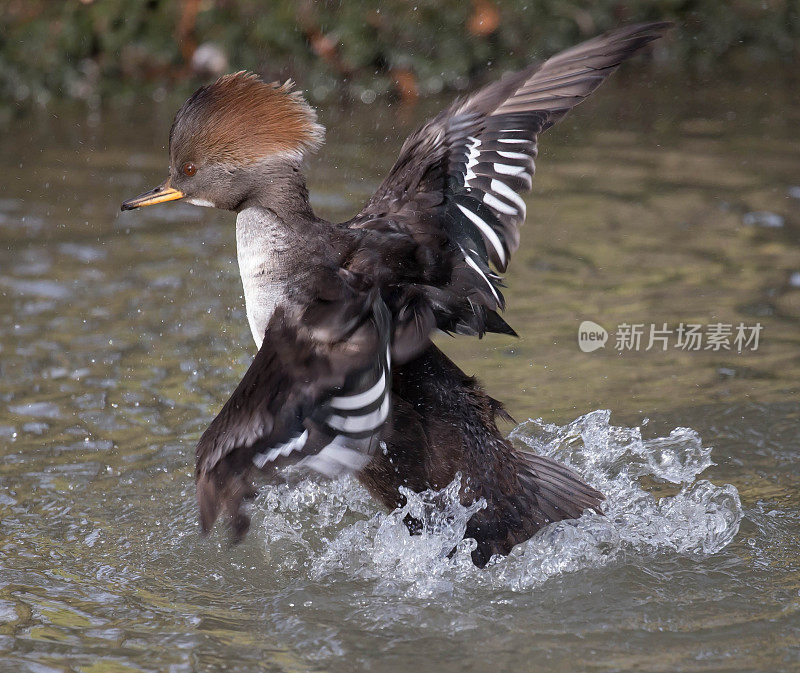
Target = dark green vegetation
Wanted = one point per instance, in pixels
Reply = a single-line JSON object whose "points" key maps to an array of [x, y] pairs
{"points": [[94, 49]]}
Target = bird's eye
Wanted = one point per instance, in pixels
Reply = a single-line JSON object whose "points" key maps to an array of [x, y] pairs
{"points": [[188, 169]]}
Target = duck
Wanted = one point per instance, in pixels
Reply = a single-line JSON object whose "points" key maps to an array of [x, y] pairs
{"points": [[347, 378]]}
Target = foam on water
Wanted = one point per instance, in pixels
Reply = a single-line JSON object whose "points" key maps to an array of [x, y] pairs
{"points": [[328, 531]]}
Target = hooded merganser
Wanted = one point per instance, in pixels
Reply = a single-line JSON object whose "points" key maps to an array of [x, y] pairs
{"points": [[346, 378]]}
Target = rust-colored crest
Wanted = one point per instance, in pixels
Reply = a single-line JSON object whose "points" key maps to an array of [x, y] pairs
{"points": [[240, 119]]}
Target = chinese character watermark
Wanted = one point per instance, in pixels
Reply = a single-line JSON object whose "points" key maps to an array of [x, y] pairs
{"points": [[713, 337]]}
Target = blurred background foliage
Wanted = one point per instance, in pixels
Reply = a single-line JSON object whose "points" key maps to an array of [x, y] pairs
{"points": [[99, 49]]}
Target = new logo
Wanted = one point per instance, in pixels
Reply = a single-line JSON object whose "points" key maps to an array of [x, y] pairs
{"points": [[591, 336]]}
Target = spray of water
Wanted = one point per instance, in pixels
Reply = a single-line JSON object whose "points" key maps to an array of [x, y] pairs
{"points": [[333, 530]]}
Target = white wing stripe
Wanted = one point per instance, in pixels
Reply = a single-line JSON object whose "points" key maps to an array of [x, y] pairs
{"points": [[482, 275], [472, 155], [472, 158], [294, 444], [486, 230], [513, 155], [497, 204], [512, 140], [335, 458], [506, 169], [363, 423], [361, 400], [505, 191]]}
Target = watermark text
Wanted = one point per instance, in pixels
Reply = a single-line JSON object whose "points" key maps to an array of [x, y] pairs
{"points": [[713, 337]]}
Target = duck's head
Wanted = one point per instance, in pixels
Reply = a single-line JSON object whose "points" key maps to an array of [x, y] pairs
{"points": [[228, 136]]}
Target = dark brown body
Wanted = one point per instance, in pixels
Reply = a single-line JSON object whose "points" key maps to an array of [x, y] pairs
{"points": [[443, 423]]}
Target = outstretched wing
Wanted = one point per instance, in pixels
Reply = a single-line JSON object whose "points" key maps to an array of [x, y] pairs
{"points": [[458, 178], [316, 393]]}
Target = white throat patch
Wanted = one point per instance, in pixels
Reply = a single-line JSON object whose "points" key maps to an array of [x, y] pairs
{"points": [[201, 202], [261, 246]]}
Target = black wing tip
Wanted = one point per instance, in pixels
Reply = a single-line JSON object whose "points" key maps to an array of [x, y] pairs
{"points": [[652, 30], [495, 323], [213, 497], [208, 504], [659, 27]]}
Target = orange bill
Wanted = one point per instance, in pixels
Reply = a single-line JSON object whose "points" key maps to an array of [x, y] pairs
{"points": [[159, 194]]}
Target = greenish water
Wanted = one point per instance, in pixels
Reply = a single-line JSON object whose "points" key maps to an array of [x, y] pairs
{"points": [[122, 334]]}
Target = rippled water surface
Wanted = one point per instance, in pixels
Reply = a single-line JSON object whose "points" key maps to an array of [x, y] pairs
{"points": [[122, 334]]}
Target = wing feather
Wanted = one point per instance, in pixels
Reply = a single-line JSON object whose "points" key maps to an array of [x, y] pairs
{"points": [[316, 394], [458, 179]]}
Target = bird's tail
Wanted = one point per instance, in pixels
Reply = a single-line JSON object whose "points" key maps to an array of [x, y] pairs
{"points": [[544, 491]]}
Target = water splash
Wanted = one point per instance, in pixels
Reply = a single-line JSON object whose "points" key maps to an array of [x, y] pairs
{"points": [[329, 531]]}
